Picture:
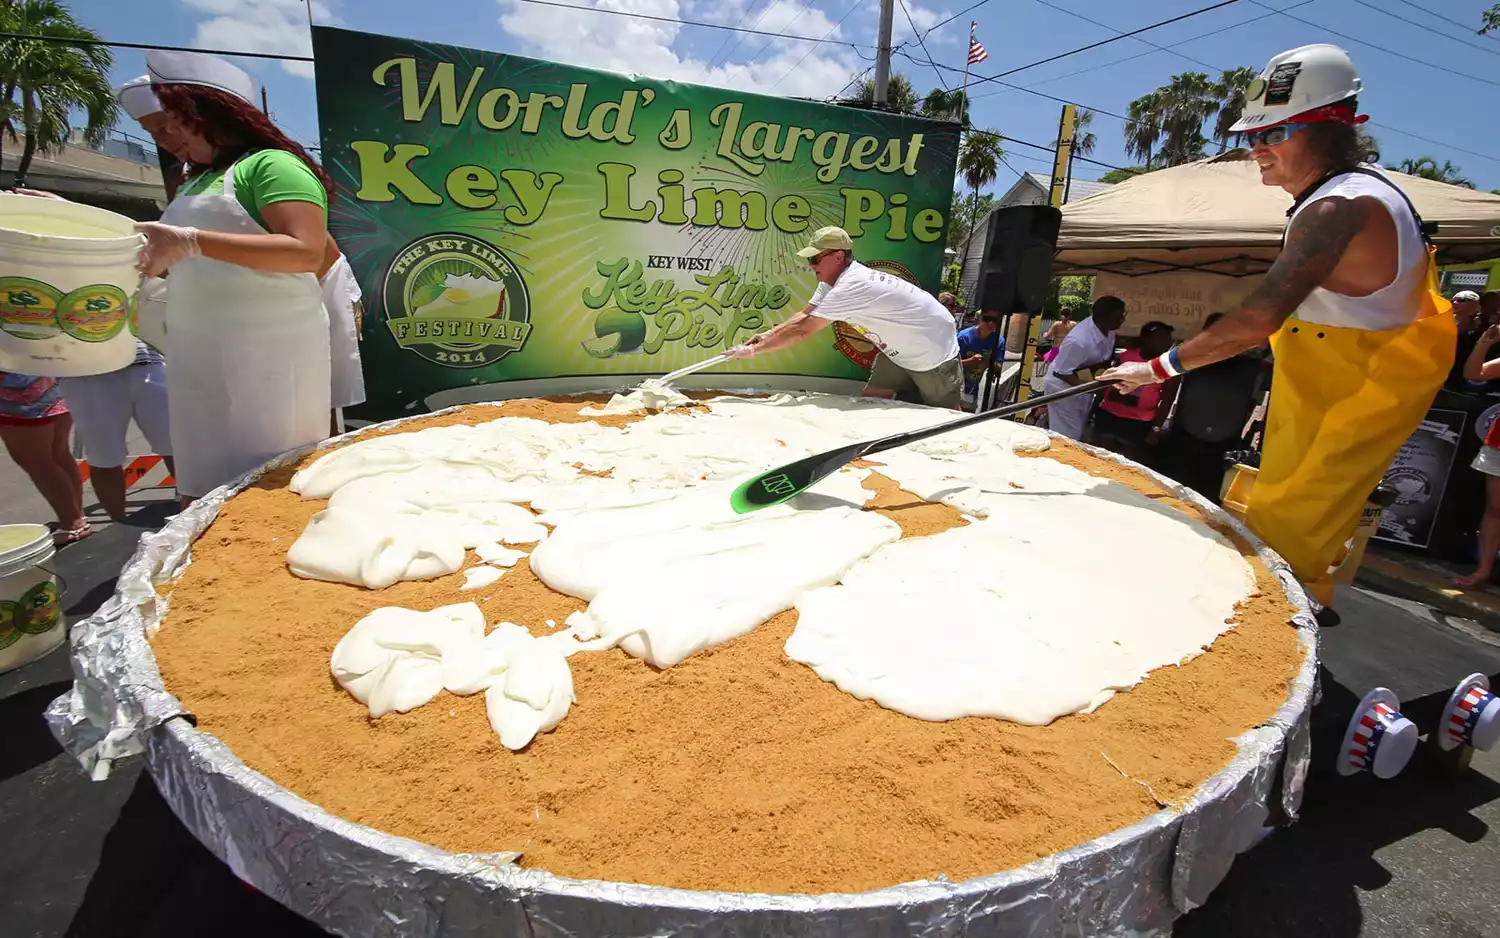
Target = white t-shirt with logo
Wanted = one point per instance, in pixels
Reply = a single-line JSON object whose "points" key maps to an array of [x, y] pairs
{"points": [[904, 321]]}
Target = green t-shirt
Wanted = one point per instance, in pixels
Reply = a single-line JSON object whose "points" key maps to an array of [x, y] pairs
{"points": [[264, 178]]}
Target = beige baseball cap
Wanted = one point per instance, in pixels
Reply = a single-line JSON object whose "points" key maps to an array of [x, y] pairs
{"points": [[832, 238]]}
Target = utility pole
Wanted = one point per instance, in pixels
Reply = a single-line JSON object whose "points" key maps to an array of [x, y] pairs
{"points": [[883, 51]]}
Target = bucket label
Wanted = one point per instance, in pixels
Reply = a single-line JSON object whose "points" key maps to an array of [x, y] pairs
{"points": [[10, 631], [28, 308], [95, 313], [39, 609]]}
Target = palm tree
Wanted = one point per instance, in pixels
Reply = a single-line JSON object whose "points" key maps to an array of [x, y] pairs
{"points": [[43, 82], [1143, 130], [979, 159], [1428, 168], [1187, 102], [899, 94], [946, 105], [1084, 140], [1231, 89]]}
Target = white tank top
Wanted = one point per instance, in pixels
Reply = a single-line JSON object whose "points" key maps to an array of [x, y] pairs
{"points": [[1394, 305]]}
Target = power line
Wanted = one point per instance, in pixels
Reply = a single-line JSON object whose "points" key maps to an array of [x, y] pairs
{"points": [[807, 5], [1152, 51], [732, 37], [851, 83], [1463, 26], [922, 41], [668, 19], [1399, 55], [1104, 42], [72, 41], [1271, 12], [1045, 149], [1112, 29], [942, 23], [1423, 26], [831, 30]]}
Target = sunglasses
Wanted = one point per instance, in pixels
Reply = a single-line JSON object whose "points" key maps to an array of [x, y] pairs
{"points": [[989, 318], [1272, 136]]}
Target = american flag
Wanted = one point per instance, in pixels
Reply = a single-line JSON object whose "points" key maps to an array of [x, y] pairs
{"points": [[976, 48]]}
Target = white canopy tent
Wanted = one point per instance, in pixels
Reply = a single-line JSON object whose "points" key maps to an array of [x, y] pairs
{"points": [[1216, 216]]}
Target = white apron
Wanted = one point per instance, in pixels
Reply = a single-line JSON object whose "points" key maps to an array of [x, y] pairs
{"points": [[249, 354], [340, 294], [1068, 416]]}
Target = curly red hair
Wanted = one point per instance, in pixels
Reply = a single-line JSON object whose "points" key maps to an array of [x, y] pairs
{"points": [[232, 125]]}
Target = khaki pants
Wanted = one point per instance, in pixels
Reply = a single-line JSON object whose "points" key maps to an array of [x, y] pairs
{"points": [[940, 387]]}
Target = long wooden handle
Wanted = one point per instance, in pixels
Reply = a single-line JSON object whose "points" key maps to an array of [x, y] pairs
{"points": [[902, 439]]}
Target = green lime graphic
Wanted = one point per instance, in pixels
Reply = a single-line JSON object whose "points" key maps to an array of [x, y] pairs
{"points": [[39, 609], [426, 294], [28, 308], [95, 313], [603, 346], [630, 327], [9, 633]]}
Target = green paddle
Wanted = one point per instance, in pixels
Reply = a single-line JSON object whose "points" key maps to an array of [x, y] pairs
{"points": [[785, 482]]}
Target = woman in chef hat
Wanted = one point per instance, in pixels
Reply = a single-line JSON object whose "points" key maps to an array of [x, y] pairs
{"points": [[341, 291], [243, 242]]}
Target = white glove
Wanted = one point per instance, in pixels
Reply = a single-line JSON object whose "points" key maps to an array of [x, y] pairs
{"points": [[746, 350], [166, 245], [1131, 375]]}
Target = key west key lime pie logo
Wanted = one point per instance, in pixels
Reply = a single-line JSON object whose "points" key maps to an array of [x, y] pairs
{"points": [[456, 300]]}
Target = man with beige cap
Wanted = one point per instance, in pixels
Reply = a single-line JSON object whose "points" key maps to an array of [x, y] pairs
{"points": [[918, 344]]}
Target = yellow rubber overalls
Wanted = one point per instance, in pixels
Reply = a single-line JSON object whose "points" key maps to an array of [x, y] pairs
{"points": [[1343, 401]]}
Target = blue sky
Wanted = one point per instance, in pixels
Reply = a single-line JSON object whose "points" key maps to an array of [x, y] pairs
{"points": [[1407, 98]]}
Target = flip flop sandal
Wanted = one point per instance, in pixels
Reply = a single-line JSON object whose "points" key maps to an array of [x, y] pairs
{"points": [[61, 538]]}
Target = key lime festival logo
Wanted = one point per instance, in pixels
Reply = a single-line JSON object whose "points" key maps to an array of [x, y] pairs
{"points": [[457, 301]]}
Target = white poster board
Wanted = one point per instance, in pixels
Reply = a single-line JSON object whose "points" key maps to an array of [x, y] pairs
{"points": [[1182, 300]]}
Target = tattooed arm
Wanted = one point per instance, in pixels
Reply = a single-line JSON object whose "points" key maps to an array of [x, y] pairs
{"points": [[1314, 246]]}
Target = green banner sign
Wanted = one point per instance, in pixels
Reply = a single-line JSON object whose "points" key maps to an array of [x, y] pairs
{"points": [[512, 219]]}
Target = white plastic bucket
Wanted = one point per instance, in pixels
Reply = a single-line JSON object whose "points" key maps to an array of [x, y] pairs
{"points": [[149, 314], [67, 279], [31, 618]]}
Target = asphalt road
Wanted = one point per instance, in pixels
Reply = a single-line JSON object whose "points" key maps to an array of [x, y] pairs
{"points": [[1415, 857]]}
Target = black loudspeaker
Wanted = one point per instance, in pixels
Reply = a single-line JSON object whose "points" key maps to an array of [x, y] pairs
{"points": [[1019, 245]]}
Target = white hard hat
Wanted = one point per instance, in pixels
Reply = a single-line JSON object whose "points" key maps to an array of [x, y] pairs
{"points": [[1296, 82], [1469, 295], [200, 68], [137, 98]]}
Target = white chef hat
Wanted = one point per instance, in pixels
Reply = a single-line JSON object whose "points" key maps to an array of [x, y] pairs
{"points": [[199, 68], [137, 98]]}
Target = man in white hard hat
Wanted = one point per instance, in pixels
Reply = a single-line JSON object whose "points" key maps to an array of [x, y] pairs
{"points": [[914, 332], [1361, 337]]}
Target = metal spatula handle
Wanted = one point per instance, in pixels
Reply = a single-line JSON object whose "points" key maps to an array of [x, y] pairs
{"points": [[684, 372]]}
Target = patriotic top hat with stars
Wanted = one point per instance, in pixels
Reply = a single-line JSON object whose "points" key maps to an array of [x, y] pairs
{"points": [[1472, 717], [1379, 738]]}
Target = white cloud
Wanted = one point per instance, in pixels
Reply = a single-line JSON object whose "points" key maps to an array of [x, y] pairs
{"points": [[658, 49], [924, 19], [275, 26]]}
